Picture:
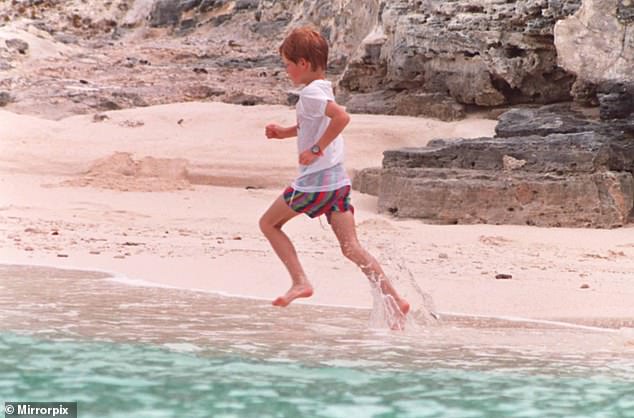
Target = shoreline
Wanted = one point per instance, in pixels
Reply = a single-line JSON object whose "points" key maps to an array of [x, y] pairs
{"points": [[449, 318]]}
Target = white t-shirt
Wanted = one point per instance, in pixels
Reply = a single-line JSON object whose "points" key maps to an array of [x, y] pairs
{"points": [[326, 172]]}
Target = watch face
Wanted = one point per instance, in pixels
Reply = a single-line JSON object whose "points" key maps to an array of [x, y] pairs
{"points": [[315, 149]]}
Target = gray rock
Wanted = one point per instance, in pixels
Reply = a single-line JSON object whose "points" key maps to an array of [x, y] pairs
{"points": [[207, 5], [597, 42], [170, 12], [270, 29], [367, 180], [248, 62], [292, 97], [621, 144], [247, 4], [434, 105], [243, 99], [104, 104], [597, 200], [541, 122], [390, 102], [584, 92], [125, 99], [165, 13], [5, 98], [616, 100], [4, 65], [219, 20], [584, 152], [380, 102], [204, 92], [66, 38], [187, 25], [625, 11], [17, 45], [547, 167]]}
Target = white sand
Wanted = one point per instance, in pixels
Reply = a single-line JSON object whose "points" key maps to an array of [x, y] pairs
{"points": [[66, 202]]}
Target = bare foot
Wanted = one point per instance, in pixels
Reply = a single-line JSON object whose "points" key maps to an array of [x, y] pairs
{"points": [[403, 306], [400, 308], [296, 291]]}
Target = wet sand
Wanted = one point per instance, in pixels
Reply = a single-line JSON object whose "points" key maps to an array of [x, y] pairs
{"points": [[55, 303]]}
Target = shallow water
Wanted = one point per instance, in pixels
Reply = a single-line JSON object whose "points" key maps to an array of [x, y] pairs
{"points": [[125, 351]]}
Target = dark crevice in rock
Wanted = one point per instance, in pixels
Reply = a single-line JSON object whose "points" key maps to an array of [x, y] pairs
{"points": [[625, 11], [513, 95]]}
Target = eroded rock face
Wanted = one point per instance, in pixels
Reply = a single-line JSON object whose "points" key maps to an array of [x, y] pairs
{"points": [[87, 57], [599, 200], [546, 167], [467, 52], [433, 57], [597, 44]]}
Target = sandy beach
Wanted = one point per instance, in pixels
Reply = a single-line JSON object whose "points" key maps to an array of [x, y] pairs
{"points": [[135, 168], [172, 195]]}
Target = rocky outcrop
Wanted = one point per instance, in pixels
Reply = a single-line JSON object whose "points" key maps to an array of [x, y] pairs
{"points": [[458, 54], [597, 45], [432, 57], [73, 59], [546, 167], [602, 200]]}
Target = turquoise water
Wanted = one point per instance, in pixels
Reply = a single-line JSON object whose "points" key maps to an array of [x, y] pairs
{"points": [[127, 380], [122, 351]]}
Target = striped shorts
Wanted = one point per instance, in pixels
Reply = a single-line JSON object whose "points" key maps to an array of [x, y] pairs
{"points": [[315, 204]]}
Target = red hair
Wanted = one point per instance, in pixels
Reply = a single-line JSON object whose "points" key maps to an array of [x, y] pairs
{"points": [[308, 44]]}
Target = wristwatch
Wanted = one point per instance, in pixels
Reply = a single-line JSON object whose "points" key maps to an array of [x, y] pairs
{"points": [[315, 149]]}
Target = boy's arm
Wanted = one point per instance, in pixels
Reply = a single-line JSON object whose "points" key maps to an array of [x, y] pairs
{"points": [[290, 131], [339, 119], [273, 130]]}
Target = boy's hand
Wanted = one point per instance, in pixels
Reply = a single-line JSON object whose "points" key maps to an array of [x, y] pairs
{"points": [[273, 131], [307, 157]]}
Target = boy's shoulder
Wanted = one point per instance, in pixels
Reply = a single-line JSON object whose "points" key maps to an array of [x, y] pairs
{"points": [[318, 89]]}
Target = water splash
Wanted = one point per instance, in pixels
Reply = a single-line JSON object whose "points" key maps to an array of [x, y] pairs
{"points": [[423, 310], [385, 311]]}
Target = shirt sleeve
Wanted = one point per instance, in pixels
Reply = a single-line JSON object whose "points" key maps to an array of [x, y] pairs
{"points": [[314, 103]]}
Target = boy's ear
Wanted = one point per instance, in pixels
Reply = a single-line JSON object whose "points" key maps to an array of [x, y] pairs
{"points": [[303, 62]]}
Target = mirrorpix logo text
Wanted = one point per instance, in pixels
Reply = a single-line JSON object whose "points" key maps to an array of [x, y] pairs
{"points": [[40, 409]]}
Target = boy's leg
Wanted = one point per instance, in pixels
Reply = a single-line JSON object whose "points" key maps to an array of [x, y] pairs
{"points": [[343, 226], [271, 225]]}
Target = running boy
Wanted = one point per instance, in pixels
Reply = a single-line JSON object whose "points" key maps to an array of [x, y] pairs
{"points": [[322, 186]]}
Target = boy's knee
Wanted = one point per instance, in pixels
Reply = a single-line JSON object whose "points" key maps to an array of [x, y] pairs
{"points": [[265, 226], [350, 250]]}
